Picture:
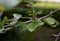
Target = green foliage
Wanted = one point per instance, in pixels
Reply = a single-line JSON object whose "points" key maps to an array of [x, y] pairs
{"points": [[32, 12], [39, 12], [51, 21], [29, 26], [33, 25], [2, 24], [5, 20], [22, 26]]}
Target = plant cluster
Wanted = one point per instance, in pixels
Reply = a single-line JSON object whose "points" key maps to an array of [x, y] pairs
{"points": [[30, 18]]}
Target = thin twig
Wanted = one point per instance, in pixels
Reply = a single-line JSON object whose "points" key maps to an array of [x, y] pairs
{"points": [[57, 36], [6, 25], [52, 12], [27, 18], [28, 21]]}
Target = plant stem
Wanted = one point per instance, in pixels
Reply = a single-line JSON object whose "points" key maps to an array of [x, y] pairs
{"points": [[52, 12], [57, 36]]}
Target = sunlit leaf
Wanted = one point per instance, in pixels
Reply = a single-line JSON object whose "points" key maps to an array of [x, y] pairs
{"points": [[15, 19], [51, 21], [33, 25], [17, 16]]}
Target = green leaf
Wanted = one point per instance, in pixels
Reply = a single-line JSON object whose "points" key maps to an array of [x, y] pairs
{"points": [[5, 20], [51, 21], [23, 26], [17, 16], [33, 25], [39, 12]]}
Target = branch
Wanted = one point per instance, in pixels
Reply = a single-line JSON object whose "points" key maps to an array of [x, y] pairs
{"points": [[27, 18], [57, 36], [28, 21], [52, 12]]}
